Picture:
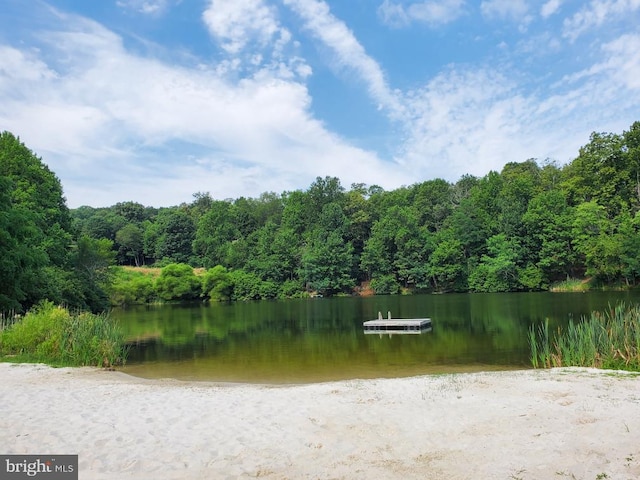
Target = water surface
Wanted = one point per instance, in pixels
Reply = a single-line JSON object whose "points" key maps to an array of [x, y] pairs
{"points": [[321, 339]]}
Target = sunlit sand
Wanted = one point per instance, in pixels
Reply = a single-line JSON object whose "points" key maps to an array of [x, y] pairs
{"points": [[534, 424]]}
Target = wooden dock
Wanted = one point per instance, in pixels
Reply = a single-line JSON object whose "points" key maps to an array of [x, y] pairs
{"points": [[397, 325]]}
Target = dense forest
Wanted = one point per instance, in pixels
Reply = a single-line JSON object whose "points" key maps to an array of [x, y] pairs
{"points": [[525, 228]]}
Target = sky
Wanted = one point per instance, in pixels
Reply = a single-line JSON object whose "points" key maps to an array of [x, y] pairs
{"points": [[152, 101]]}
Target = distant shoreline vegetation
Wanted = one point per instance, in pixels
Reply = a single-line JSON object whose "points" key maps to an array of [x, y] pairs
{"points": [[529, 227], [182, 283]]}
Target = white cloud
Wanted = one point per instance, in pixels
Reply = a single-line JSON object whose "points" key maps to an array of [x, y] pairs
{"points": [[505, 9], [250, 33], [595, 14], [465, 122], [393, 14], [432, 13], [109, 118], [349, 52], [550, 7], [236, 23], [476, 120], [117, 126], [147, 7], [620, 67]]}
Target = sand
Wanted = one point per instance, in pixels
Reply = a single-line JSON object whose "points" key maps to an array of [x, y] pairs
{"points": [[533, 424]]}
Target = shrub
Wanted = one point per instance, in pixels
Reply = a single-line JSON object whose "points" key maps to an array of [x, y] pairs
{"points": [[53, 335], [131, 287], [291, 289], [217, 284], [246, 286], [385, 285], [178, 281]]}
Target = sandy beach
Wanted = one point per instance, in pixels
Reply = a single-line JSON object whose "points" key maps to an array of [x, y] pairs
{"points": [[542, 424]]}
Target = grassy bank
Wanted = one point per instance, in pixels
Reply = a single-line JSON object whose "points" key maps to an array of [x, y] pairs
{"points": [[53, 335], [609, 339]]}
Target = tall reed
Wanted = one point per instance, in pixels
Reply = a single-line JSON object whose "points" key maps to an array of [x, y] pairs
{"points": [[53, 335], [608, 339]]}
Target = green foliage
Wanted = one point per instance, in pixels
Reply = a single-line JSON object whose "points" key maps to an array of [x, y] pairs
{"points": [[174, 237], [131, 286], [447, 264], [53, 335], [328, 261], [609, 339], [246, 286], [131, 239], [217, 284], [527, 227], [216, 230], [497, 270], [385, 285], [35, 228], [177, 282]]}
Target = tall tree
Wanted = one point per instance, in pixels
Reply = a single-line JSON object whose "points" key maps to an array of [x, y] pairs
{"points": [[175, 235], [327, 261], [33, 198], [214, 234]]}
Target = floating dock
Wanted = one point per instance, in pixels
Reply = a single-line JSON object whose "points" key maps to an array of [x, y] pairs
{"points": [[397, 325]]}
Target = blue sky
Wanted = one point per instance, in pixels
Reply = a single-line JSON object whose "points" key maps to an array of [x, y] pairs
{"points": [[155, 100]]}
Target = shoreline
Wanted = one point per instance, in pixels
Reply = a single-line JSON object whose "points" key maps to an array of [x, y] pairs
{"points": [[527, 424]]}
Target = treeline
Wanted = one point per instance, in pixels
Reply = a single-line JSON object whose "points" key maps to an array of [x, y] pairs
{"points": [[525, 228]]}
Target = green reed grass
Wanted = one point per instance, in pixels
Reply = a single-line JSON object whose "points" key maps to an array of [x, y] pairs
{"points": [[54, 335], [608, 339]]}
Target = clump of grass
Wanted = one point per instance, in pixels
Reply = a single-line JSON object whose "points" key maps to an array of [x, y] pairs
{"points": [[572, 285], [609, 339], [53, 335]]}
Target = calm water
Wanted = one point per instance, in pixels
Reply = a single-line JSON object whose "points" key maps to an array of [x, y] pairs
{"points": [[309, 340]]}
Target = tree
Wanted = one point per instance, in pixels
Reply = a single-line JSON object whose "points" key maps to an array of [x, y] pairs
{"points": [[547, 240], [592, 238], [447, 264], [520, 183], [629, 235], [433, 203], [132, 212], [17, 262], [327, 261], [498, 269], [174, 236], [601, 173], [91, 259], [214, 234], [39, 221], [131, 240]]}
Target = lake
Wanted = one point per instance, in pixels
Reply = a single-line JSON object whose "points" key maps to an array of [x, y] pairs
{"points": [[322, 339]]}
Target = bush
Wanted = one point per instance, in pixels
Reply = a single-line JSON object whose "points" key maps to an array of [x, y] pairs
{"points": [[131, 287], [385, 285], [291, 289], [178, 281], [217, 284], [53, 335], [246, 286]]}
